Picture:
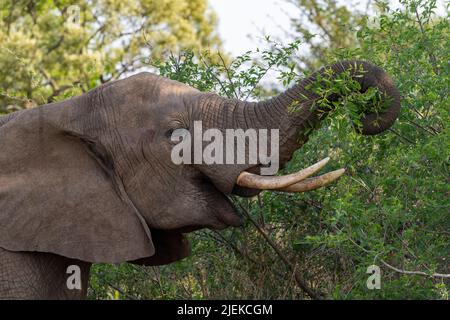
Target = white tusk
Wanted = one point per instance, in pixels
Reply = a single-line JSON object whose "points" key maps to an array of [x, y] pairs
{"points": [[250, 180], [314, 183]]}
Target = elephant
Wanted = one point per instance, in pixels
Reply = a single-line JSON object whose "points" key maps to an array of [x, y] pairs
{"points": [[91, 179]]}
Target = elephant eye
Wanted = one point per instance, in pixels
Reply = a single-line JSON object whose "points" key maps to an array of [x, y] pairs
{"points": [[169, 133], [174, 125]]}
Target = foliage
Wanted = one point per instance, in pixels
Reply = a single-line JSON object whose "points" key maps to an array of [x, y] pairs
{"points": [[239, 79], [54, 49], [390, 210]]}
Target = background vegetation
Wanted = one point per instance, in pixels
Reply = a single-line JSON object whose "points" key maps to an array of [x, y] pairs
{"points": [[60, 48], [390, 210]]}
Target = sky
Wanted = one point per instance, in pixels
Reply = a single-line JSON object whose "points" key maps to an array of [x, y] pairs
{"points": [[243, 22]]}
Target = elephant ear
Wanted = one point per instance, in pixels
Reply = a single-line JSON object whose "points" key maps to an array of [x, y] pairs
{"points": [[57, 195]]}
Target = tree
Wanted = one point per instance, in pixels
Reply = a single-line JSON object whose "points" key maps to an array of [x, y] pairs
{"points": [[325, 25], [53, 49]]}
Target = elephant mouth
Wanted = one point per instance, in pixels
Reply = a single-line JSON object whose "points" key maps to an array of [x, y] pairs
{"points": [[215, 209]]}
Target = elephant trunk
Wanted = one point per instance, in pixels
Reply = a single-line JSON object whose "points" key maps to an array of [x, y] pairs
{"points": [[297, 111]]}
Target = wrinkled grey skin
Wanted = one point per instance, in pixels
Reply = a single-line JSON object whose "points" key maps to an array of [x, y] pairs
{"points": [[28, 275], [91, 180]]}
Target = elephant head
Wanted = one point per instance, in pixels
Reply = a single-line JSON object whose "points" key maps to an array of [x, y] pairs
{"points": [[92, 177]]}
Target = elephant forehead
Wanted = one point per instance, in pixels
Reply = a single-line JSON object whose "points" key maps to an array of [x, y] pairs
{"points": [[150, 86]]}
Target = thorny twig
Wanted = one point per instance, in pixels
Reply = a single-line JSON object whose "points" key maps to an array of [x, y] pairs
{"points": [[298, 278], [228, 75]]}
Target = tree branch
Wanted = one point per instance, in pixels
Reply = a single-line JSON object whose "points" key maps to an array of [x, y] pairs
{"points": [[401, 137], [418, 273], [430, 53]]}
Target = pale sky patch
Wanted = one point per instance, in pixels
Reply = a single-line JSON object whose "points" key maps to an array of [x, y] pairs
{"points": [[243, 23]]}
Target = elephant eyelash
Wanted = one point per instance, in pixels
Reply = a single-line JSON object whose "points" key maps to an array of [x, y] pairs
{"points": [[175, 125]]}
